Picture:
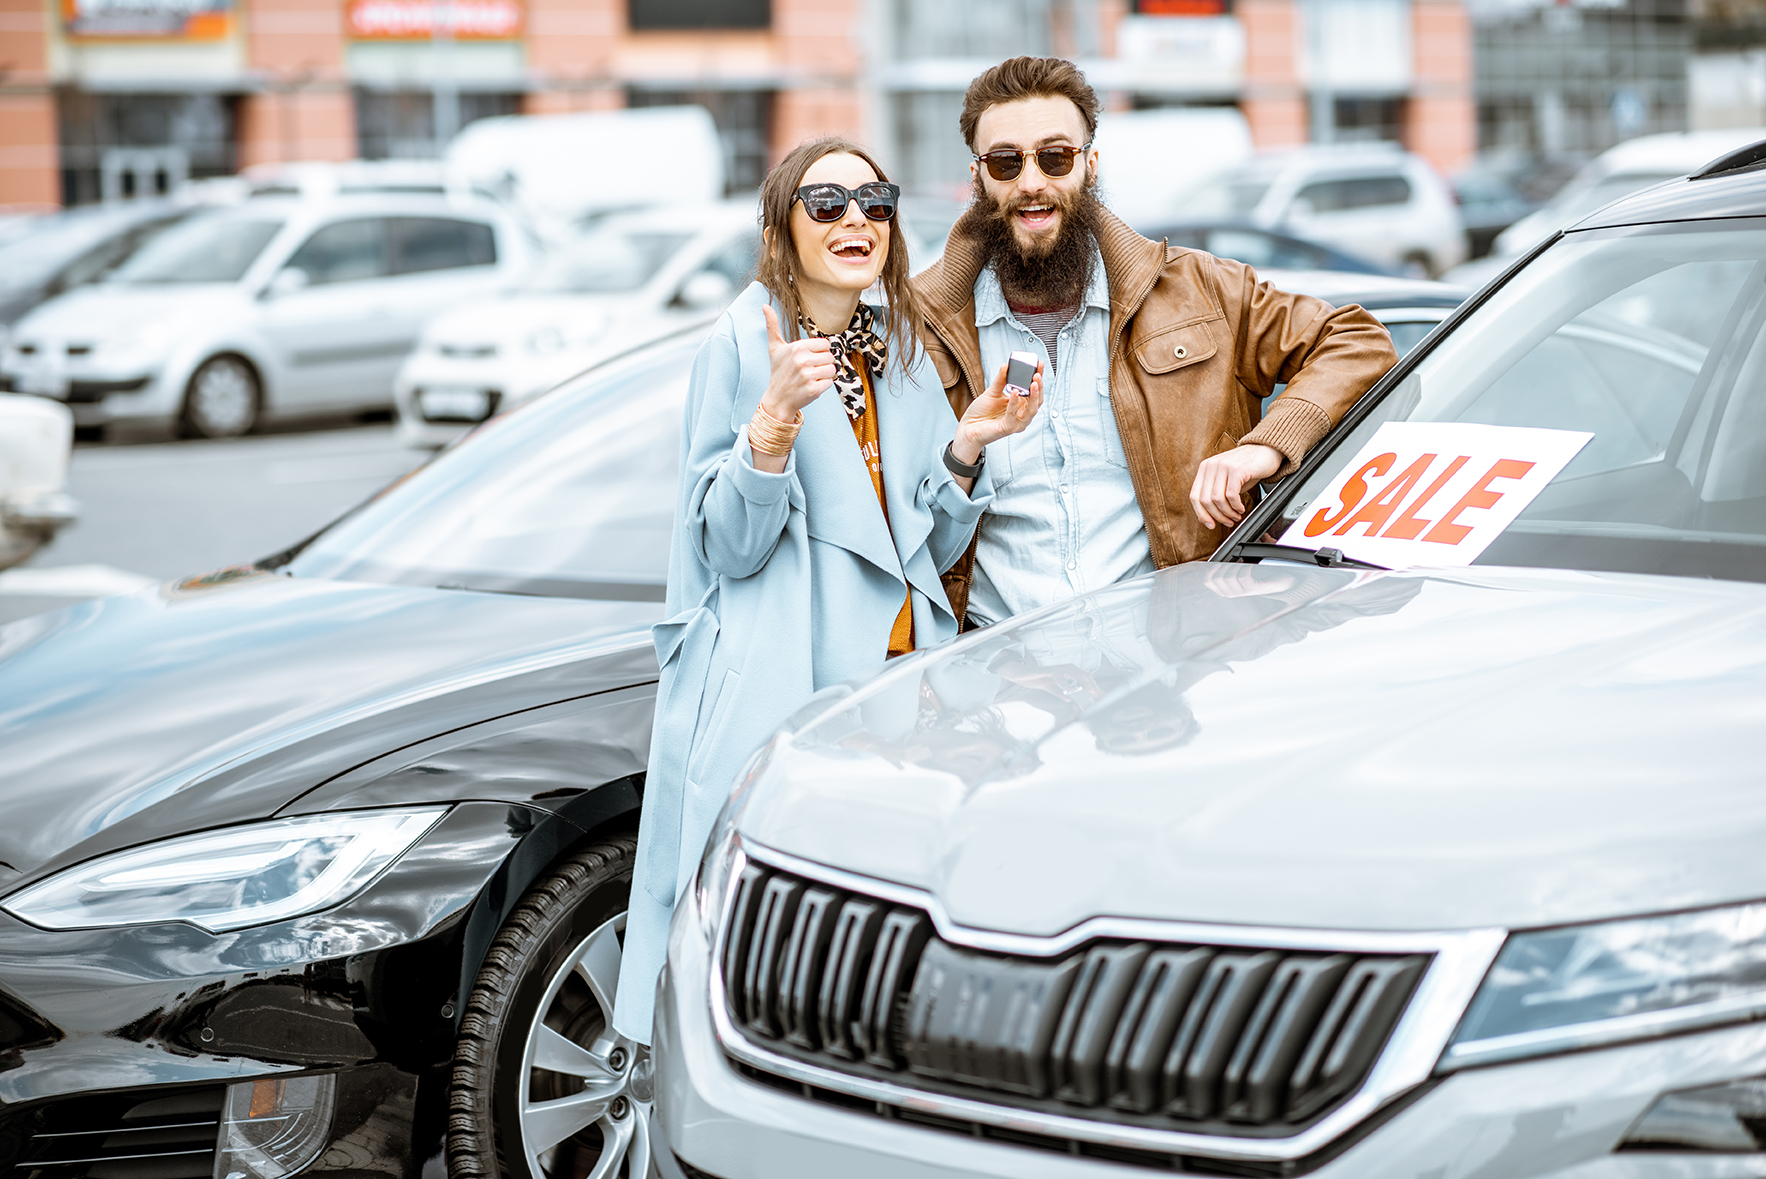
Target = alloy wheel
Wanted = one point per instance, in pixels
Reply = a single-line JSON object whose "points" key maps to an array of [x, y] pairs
{"points": [[222, 400]]}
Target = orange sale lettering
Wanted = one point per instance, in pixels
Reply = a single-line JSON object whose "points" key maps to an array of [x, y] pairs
{"points": [[1381, 507], [1352, 492], [1407, 526], [1480, 496]]}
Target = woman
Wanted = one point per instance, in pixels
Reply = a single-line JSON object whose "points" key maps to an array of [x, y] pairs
{"points": [[811, 527]]}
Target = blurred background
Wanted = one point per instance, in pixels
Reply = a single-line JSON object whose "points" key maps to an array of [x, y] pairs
{"points": [[268, 254]]}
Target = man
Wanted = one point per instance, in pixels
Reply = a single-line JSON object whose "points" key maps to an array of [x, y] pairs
{"points": [[1155, 360]]}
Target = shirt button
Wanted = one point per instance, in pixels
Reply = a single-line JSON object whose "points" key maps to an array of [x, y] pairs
{"points": [[1073, 564]]}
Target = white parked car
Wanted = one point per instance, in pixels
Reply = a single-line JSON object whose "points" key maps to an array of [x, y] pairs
{"points": [[275, 308], [35, 438], [636, 277], [1617, 172], [1371, 200]]}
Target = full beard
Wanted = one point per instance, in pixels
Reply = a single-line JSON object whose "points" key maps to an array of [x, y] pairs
{"points": [[1050, 273]]}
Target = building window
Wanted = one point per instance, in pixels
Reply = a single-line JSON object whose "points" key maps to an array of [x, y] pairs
{"points": [[400, 124], [1359, 120], [116, 146], [700, 14], [744, 121]]}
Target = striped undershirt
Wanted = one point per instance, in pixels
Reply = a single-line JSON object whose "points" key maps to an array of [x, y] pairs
{"points": [[1045, 322]]}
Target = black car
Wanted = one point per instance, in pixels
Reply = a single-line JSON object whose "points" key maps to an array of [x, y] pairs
{"points": [[1259, 247], [312, 864]]}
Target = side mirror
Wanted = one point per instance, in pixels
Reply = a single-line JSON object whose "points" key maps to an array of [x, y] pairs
{"points": [[287, 281], [705, 290]]}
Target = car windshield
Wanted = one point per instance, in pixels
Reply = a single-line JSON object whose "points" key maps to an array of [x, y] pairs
{"points": [[54, 242], [207, 249], [1225, 198], [1576, 203], [572, 495], [607, 262], [1638, 352]]}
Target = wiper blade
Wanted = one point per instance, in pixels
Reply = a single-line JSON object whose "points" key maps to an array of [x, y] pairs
{"points": [[1327, 557]]}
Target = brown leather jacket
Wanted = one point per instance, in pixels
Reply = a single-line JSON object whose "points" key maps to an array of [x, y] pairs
{"points": [[1196, 343]]}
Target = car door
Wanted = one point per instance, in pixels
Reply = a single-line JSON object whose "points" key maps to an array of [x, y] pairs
{"points": [[436, 263], [1357, 214], [329, 317]]}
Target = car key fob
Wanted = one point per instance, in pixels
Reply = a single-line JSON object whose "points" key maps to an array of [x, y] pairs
{"points": [[1020, 371]]}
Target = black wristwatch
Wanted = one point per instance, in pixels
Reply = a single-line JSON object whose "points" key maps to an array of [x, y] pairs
{"points": [[957, 467]]}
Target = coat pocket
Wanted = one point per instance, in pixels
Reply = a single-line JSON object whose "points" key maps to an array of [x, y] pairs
{"points": [[716, 716], [1169, 349]]}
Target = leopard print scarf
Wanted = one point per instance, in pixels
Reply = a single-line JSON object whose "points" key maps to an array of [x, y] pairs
{"points": [[859, 342]]}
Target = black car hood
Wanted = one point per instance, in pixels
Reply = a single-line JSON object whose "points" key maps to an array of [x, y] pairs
{"points": [[219, 699]]}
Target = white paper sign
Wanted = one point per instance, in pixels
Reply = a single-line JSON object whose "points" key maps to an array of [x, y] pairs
{"points": [[1433, 493]]}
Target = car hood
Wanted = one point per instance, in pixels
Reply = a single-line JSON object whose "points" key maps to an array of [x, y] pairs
{"points": [[221, 699], [120, 310], [516, 316], [1286, 746]]}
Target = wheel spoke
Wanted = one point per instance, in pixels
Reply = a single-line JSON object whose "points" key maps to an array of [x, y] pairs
{"points": [[616, 1142], [560, 1054], [598, 964], [544, 1124]]}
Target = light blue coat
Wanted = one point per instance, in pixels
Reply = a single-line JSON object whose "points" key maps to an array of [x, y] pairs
{"points": [[778, 586]]}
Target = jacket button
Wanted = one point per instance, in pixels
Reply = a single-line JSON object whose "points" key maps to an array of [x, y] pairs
{"points": [[1182, 352]]}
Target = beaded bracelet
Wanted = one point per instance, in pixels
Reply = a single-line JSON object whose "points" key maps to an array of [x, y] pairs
{"points": [[768, 435]]}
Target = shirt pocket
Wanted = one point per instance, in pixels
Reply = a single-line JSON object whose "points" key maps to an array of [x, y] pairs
{"points": [[1113, 453]]}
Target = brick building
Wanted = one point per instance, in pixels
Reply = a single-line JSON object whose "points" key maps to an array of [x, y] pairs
{"points": [[108, 97]]}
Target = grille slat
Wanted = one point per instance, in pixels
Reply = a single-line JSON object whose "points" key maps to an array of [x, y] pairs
{"points": [[1214, 1039], [118, 1136]]}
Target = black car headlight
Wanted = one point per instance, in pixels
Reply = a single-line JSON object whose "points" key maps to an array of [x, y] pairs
{"points": [[229, 878], [1582, 986]]}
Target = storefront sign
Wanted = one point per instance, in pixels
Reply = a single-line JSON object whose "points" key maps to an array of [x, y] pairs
{"points": [[421, 20], [197, 20], [1432, 493]]}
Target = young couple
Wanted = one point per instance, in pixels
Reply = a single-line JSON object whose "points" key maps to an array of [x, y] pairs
{"points": [[838, 456]]}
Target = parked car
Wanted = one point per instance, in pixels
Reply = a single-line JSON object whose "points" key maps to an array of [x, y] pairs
{"points": [[1370, 200], [1617, 172], [56, 252], [638, 277], [449, 693], [288, 850], [1258, 247], [276, 308], [1338, 854], [1489, 204], [35, 439]]}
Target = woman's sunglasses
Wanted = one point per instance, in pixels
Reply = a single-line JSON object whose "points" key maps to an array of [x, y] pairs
{"points": [[827, 202], [1008, 162]]}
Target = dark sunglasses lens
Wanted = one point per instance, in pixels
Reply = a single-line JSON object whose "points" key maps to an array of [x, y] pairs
{"points": [[825, 204], [1056, 161], [877, 201], [1004, 165]]}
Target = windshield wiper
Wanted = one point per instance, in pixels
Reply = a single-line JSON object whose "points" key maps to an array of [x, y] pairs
{"points": [[1328, 558]]}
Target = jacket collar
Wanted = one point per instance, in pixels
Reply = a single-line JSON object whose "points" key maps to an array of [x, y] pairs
{"points": [[1132, 264]]}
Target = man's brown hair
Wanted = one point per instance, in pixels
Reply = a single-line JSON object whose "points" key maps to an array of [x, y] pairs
{"points": [[778, 252], [1028, 77]]}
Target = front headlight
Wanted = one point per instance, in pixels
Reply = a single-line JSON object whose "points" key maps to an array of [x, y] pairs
{"points": [[1552, 990], [228, 879]]}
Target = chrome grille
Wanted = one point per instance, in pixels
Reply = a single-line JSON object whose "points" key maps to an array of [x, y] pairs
{"points": [[140, 1135], [1247, 1042]]}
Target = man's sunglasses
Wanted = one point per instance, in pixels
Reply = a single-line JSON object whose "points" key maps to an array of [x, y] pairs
{"points": [[1008, 162], [827, 202]]}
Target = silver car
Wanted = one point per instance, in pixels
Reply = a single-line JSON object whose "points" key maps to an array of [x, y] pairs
{"points": [[275, 308], [1322, 856]]}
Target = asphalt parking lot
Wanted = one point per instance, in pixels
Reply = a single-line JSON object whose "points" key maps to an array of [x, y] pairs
{"points": [[171, 509]]}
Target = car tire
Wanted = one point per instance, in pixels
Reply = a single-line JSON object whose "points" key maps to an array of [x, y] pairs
{"points": [[543, 1088], [223, 398]]}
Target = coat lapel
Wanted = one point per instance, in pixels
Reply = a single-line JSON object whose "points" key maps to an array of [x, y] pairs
{"points": [[910, 430]]}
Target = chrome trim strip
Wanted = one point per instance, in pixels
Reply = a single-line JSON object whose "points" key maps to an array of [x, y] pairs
{"points": [[1598, 1033], [1461, 959]]}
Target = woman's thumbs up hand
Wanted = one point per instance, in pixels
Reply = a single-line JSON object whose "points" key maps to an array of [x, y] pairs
{"points": [[802, 371]]}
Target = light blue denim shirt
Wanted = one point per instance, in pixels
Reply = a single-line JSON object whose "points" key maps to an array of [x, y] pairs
{"points": [[1064, 518]]}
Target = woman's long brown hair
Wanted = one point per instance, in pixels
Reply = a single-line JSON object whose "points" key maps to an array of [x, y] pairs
{"points": [[778, 254]]}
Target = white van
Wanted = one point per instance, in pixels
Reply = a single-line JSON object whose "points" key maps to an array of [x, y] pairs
{"points": [[1369, 199]]}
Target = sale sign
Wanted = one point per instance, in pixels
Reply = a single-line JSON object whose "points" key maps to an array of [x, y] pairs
{"points": [[1432, 493]]}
